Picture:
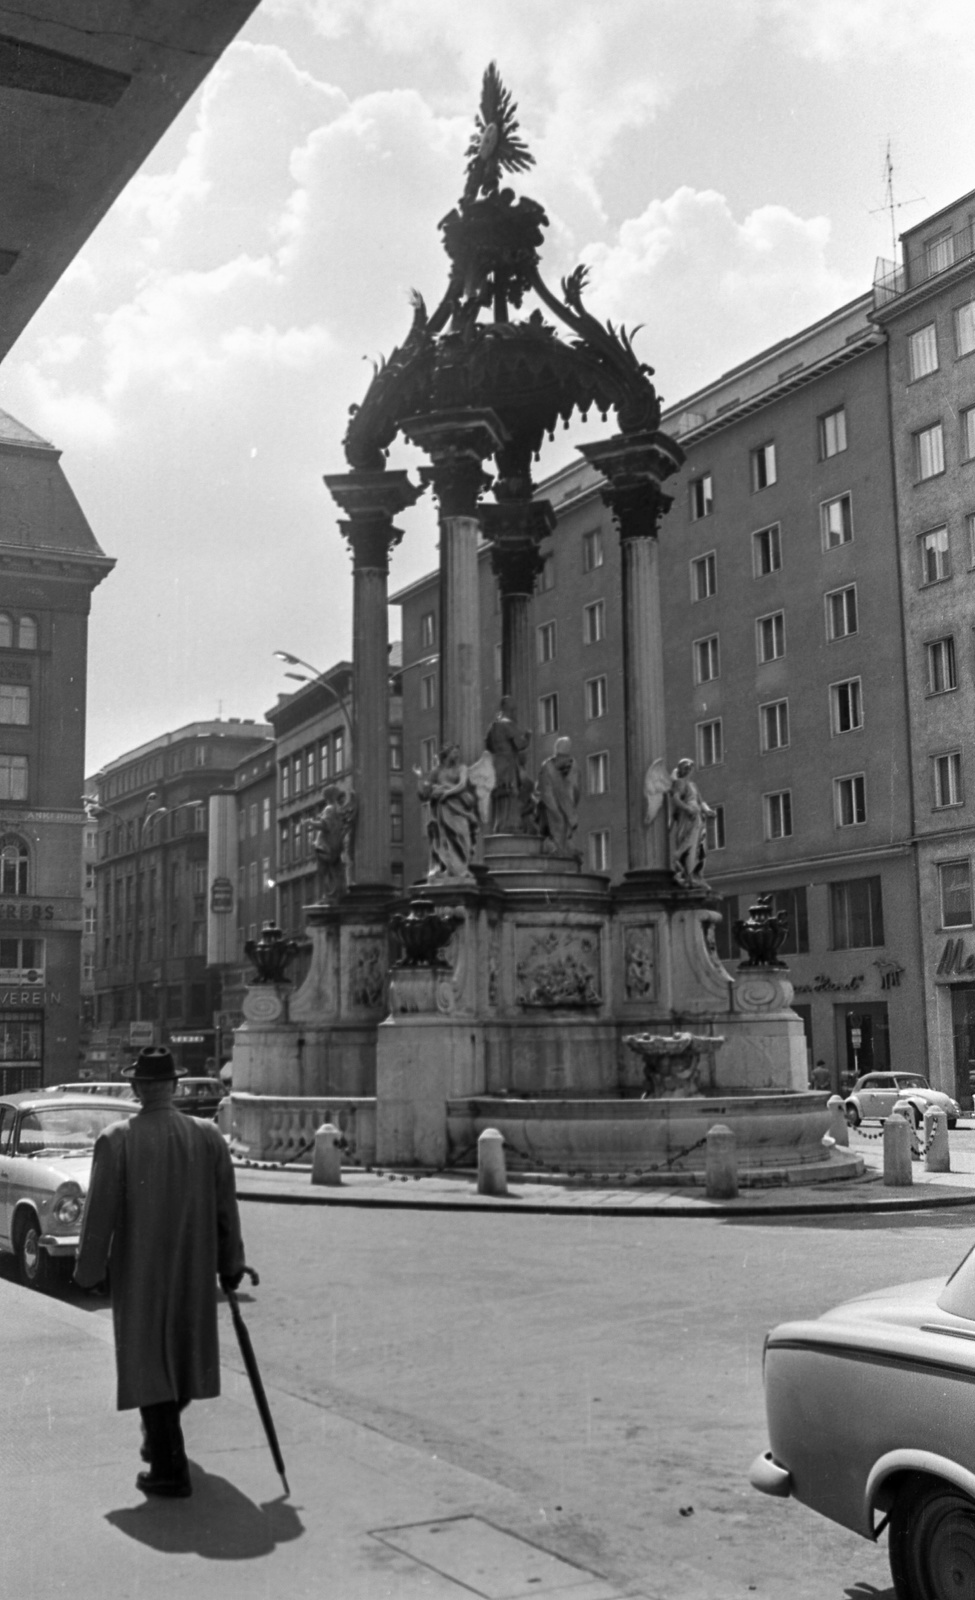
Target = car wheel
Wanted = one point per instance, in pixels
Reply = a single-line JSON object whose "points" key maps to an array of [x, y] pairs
{"points": [[852, 1116], [37, 1270], [932, 1542]]}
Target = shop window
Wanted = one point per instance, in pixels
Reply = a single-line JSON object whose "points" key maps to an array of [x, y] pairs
{"points": [[856, 914], [955, 879]]}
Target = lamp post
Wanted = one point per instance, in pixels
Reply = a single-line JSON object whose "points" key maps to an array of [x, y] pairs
{"points": [[317, 677], [94, 806]]}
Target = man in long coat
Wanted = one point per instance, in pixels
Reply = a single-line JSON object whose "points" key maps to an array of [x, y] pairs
{"points": [[162, 1216]]}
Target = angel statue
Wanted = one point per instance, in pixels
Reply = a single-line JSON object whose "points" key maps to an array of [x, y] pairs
{"points": [[453, 803], [507, 743], [334, 839], [689, 812]]}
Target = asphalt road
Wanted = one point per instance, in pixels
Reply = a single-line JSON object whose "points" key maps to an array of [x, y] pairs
{"points": [[606, 1369]]}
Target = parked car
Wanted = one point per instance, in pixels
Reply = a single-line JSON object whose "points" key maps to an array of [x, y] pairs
{"points": [[46, 1144], [871, 1422], [120, 1091], [875, 1095], [199, 1097]]}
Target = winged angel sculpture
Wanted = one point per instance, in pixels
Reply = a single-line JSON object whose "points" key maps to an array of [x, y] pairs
{"points": [[689, 812]]}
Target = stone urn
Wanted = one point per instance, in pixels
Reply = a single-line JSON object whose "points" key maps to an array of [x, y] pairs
{"points": [[423, 933], [762, 934], [271, 954], [672, 1062]]}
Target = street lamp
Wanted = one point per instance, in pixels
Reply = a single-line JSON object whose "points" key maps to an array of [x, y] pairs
{"points": [[93, 805], [317, 677]]}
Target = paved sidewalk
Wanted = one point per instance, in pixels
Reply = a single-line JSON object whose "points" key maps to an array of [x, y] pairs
{"points": [[368, 1518], [455, 1191]]}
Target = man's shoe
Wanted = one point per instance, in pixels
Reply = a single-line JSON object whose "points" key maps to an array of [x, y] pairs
{"points": [[171, 1488]]}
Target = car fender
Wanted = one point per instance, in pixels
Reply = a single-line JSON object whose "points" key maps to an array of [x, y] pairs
{"points": [[20, 1210], [926, 1461]]}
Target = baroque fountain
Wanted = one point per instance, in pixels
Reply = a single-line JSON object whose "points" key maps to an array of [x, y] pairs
{"points": [[590, 1021]]}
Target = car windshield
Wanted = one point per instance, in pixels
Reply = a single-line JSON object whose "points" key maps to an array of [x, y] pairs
{"points": [[71, 1128], [910, 1080]]}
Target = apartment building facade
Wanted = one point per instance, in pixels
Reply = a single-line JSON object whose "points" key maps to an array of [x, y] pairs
{"points": [[50, 563], [152, 977]]}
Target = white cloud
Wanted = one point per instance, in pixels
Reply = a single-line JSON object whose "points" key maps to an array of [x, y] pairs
{"points": [[700, 281], [842, 30]]}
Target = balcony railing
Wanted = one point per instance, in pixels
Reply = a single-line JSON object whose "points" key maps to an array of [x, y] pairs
{"points": [[934, 258]]}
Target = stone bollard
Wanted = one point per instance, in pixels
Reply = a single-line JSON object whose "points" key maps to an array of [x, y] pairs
{"points": [[838, 1129], [721, 1164], [897, 1151], [937, 1157], [492, 1176], [326, 1166]]}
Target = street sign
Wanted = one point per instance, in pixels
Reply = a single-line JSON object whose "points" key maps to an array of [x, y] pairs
{"points": [[221, 895], [141, 1033], [187, 1038]]}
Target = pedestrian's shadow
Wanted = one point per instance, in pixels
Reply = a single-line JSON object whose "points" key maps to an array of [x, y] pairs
{"points": [[217, 1522]]}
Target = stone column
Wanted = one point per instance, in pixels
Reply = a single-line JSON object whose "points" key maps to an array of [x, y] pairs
{"points": [[633, 469], [371, 501], [516, 529], [457, 443]]}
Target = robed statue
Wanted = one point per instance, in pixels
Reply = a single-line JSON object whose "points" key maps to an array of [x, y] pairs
{"points": [[334, 840], [689, 812]]}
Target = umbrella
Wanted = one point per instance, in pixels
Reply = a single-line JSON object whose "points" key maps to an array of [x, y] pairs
{"points": [[253, 1372]]}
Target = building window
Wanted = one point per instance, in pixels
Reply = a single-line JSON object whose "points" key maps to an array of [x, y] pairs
{"points": [[592, 549], [706, 661], [428, 630], [310, 764], [766, 551], [929, 452], [546, 577], [965, 329], [763, 466], [856, 914], [968, 434], [498, 663], [265, 813], [595, 698], [339, 756], [545, 641], [947, 780], [774, 723], [777, 809], [841, 612], [252, 880], [941, 666], [27, 634], [594, 622], [14, 865], [597, 772], [845, 706], [21, 960], [770, 636], [396, 818], [832, 433], [599, 850], [710, 743], [296, 776], [428, 754], [837, 520], [252, 818], [956, 894], [940, 252], [428, 691], [395, 749], [13, 777], [922, 351], [714, 829], [704, 576], [702, 497], [850, 796], [548, 713], [935, 556], [15, 704], [6, 631]]}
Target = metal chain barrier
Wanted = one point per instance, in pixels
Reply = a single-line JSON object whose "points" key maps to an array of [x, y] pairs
{"points": [[578, 1174]]}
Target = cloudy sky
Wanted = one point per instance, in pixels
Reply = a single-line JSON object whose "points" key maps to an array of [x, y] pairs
{"points": [[719, 164]]}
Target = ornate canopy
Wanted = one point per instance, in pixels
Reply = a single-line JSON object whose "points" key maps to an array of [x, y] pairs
{"points": [[470, 354]]}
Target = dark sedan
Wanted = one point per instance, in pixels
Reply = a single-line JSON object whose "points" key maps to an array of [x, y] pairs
{"points": [[199, 1097]]}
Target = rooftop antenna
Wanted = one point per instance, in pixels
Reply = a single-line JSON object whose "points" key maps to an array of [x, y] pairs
{"points": [[890, 204]]}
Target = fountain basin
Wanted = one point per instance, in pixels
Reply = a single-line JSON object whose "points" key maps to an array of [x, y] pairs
{"points": [[779, 1136]]}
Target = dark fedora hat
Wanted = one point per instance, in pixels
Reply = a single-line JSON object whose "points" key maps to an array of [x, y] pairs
{"points": [[153, 1064]]}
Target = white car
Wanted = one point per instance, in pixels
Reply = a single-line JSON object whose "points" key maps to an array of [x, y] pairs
{"points": [[871, 1422], [874, 1096]]}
